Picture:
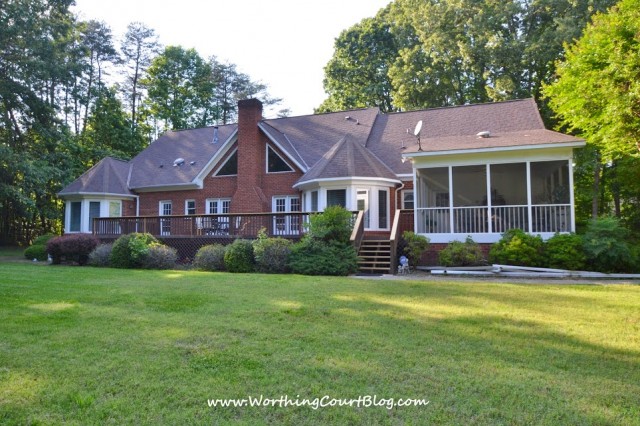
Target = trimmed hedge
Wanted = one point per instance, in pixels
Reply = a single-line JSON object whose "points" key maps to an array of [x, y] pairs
{"points": [[210, 258], [129, 251], [72, 247], [160, 256], [36, 251], [458, 253], [516, 247], [271, 254], [564, 251], [239, 257], [100, 256]]}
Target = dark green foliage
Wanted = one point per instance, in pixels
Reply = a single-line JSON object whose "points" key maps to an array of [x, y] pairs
{"points": [[316, 257], [333, 224], [414, 246], [458, 253], [565, 251], [271, 254], [100, 256], [72, 247], [160, 256], [516, 247], [129, 251], [606, 246], [326, 249], [239, 257], [42, 239], [36, 251], [210, 258]]}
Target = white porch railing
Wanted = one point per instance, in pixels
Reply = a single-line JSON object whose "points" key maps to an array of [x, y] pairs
{"points": [[495, 219]]}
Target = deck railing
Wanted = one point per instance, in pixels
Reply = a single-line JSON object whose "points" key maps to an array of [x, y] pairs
{"points": [[496, 219], [223, 225]]}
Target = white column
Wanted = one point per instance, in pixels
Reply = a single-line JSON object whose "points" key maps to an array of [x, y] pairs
{"points": [[571, 199], [529, 209]]}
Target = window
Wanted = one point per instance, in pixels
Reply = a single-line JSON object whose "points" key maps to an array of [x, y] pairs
{"points": [[190, 207], [218, 205], [275, 163], [337, 197], [165, 224], [362, 204], [286, 224], [75, 216], [382, 209], [314, 201], [230, 167], [407, 199], [94, 212], [115, 209]]}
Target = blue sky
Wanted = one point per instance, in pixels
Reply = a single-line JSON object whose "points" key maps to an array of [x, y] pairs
{"points": [[283, 43]]}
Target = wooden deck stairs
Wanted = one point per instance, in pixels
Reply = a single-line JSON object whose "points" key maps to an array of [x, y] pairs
{"points": [[374, 256]]}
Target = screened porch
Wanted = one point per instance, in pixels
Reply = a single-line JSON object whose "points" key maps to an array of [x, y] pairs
{"points": [[488, 199]]}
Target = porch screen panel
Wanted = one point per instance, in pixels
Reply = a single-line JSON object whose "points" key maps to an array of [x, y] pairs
{"points": [[509, 197], [337, 197], [550, 195], [433, 200], [469, 199]]}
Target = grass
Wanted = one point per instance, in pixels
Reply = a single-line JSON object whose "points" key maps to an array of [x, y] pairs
{"points": [[11, 252], [102, 346]]}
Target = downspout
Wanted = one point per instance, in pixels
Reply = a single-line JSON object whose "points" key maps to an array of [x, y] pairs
{"points": [[400, 188]]}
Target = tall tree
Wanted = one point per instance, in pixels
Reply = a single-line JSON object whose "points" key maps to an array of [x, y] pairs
{"points": [[431, 53], [358, 73], [597, 96], [139, 46], [179, 88]]}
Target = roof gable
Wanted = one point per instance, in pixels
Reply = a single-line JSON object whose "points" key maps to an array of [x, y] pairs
{"points": [[347, 159], [108, 176]]}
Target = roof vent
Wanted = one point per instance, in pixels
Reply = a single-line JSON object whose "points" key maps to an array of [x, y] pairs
{"points": [[348, 117], [178, 162], [484, 134], [215, 134], [193, 163]]}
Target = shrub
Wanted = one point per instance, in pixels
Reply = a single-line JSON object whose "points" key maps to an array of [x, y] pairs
{"points": [[271, 254], [210, 258], [72, 247], [414, 245], [129, 251], [332, 225], [606, 247], [516, 247], [160, 256], [564, 251], [238, 257], [36, 251], [100, 255], [317, 257], [42, 240], [458, 253]]}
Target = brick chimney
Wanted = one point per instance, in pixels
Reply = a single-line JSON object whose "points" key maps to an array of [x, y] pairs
{"points": [[249, 197]]}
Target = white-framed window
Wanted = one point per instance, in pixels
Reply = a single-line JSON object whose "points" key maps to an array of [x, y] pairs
{"points": [[190, 207], [75, 215], [275, 163], [229, 167], [383, 209], [218, 205], [337, 197], [286, 224], [407, 199]]}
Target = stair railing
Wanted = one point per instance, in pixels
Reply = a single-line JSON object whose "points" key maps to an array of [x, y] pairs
{"points": [[358, 231]]}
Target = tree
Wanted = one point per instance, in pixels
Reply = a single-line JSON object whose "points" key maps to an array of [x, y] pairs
{"points": [[358, 73], [139, 46], [179, 88], [431, 53], [597, 91]]}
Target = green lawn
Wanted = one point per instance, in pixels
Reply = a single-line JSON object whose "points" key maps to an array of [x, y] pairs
{"points": [[102, 346]]}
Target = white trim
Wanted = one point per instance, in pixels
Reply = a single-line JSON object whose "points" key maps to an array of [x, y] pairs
{"points": [[219, 202], [348, 181], [70, 196], [402, 194], [493, 149], [162, 188], [275, 142], [219, 155], [215, 173], [266, 163]]}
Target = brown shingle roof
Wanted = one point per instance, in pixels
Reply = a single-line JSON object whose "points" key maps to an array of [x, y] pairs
{"points": [[108, 176], [193, 145], [347, 159]]}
